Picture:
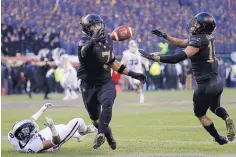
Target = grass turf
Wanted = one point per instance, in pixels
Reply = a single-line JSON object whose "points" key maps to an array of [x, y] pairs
{"points": [[164, 124]]}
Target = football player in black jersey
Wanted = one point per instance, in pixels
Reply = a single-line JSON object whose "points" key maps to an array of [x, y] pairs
{"points": [[201, 50], [95, 52]]}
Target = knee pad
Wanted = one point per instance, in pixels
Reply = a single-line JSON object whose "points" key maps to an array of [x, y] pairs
{"points": [[80, 120], [96, 123]]}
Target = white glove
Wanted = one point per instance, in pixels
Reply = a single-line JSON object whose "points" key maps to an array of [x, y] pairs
{"points": [[46, 106], [49, 122]]}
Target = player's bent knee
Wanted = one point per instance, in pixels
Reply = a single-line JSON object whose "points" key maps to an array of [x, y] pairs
{"points": [[107, 104], [79, 120], [96, 123]]}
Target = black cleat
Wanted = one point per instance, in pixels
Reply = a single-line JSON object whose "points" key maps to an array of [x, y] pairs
{"points": [[99, 140], [112, 142], [230, 129], [221, 140]]}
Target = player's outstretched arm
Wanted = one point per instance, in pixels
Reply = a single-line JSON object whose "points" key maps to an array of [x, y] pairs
{"points": [[172, 40], [120, 68], [86, 44], [40, 111], [171, 59]]}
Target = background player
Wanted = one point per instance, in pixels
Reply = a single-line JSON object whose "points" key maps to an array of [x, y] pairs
{"points": [[26, 137], [96, 60], [69, 81], [200, 49], [133, 61]]}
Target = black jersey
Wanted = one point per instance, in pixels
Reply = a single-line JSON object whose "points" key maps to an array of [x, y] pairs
{"points": [[93, 66], [204, 63]]}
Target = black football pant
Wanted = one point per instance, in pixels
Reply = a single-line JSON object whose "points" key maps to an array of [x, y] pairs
{"points": [[207, 95], [42, 82], [98, 99]]}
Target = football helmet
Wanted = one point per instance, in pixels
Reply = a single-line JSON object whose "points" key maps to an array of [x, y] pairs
{"points": [[92, 22], [202, 23], [133, 46], [57, 52], [24, 130]]}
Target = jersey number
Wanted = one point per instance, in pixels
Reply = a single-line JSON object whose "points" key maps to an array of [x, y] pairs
{"points": [[134, 62], [211, 47], [11, 135], [30, 151], [42, 139]]}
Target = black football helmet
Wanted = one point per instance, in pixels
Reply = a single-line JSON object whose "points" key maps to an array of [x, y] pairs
{"points": [[202, 23], [89, 21]]}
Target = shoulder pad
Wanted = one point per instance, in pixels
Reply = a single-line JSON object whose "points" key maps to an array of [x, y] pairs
{"points": [[84, 40], [195, 41]]}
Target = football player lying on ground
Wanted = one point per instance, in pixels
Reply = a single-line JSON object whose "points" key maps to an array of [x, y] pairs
{"points": [[26, 137], [201, 50]]}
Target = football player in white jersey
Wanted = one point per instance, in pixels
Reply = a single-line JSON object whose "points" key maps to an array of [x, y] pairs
{"points": [[69, 81], [133, 61], [26, 137]]}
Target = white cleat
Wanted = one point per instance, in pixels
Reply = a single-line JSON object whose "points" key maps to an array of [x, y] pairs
{"points": [[91, 129], [66, 98], [74, 97], [141, 100]]}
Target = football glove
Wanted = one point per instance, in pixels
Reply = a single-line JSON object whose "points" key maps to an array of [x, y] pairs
{"points": [[159, 33], [146, 55], [46, 106], [142, 78], [49, 122], [98, 35]]}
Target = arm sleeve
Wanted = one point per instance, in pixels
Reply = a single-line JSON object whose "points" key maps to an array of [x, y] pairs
{"points": [[174, 58], [86, 45]]}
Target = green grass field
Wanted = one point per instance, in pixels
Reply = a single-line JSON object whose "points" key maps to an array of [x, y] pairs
{"points": [[164, 124]]}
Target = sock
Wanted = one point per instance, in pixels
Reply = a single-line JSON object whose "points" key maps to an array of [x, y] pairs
{"points": [[73, 93], [221, 112], [67, 92], [212, 130], [106, 115], [108, 132]]}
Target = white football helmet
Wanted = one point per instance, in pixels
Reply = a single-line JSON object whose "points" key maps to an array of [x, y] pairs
{"points": [[24, 130], [133, 46], [57, 52]]}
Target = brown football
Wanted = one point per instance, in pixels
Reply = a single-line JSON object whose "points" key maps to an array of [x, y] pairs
{"points": [[122, 33]]}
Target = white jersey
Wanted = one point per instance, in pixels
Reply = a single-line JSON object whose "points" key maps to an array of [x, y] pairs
{"points": [[34, 144], [133, 61], [60, 62]]}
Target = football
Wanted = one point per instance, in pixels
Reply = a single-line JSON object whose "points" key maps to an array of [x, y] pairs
{"points": [[122, 33]]}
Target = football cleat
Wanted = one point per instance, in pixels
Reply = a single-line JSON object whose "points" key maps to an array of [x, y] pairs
{"points": [[99, 140], [112, 143], [91, 129], [221, 140], [66, 98], [74, 97], [230, 129]]}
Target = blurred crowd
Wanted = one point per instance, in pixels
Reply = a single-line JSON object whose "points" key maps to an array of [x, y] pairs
{"points": [[20, 78], [29, 25]]}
